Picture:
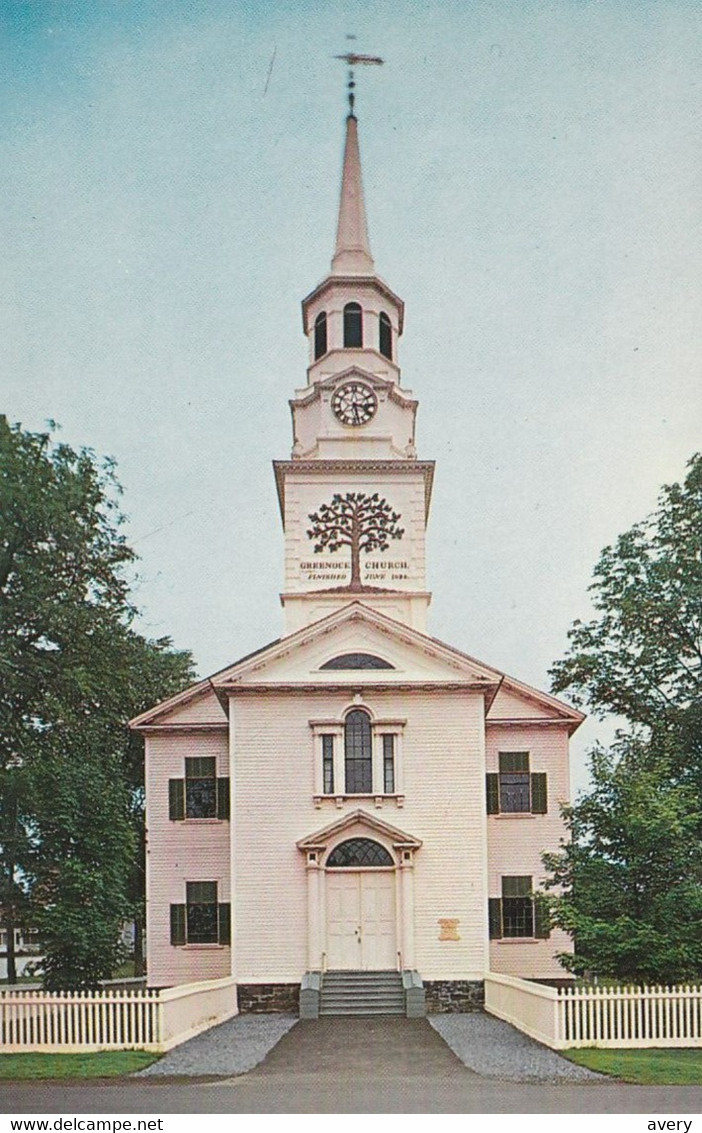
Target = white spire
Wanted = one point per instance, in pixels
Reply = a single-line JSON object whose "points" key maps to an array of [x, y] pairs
{"points": [[352, 255]]}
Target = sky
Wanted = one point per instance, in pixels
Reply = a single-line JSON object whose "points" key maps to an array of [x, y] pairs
{"points": [[169, 177]]}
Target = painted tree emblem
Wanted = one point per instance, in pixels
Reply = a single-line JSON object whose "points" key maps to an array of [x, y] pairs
{"points": [[363, 523]]}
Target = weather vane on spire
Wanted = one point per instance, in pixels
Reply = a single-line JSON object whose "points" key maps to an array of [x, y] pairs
{"points": [[353, 59]]}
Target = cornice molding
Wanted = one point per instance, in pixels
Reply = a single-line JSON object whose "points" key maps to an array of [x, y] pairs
{"points": [[284, 468], [357, 281]]}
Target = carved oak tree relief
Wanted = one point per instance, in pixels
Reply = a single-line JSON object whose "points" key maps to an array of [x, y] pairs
{"points": [[361, 522]]}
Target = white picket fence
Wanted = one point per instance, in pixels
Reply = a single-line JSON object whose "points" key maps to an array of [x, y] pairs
{"points": [[113, 1019], [598, 1016]]}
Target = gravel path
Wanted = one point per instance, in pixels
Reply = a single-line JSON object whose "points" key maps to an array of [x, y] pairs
{"points": [[495, 1049], [230, 1048]]}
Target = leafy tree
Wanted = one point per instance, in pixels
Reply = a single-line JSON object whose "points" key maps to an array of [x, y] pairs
{"points": [[641, 657], [632, 871], [72, 670], [361, 522]]}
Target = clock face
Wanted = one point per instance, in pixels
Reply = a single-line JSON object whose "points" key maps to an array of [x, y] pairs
{"points": [[354, 403]]}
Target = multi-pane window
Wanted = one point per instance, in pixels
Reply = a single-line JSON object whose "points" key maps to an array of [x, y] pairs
{"points": [[357, 852], [353, 325], [518, 913], [514, 789], [517, 907], [328, 764], [385, 335], [201, 912], [388, 763], [358, 753], [200, 794], [202, 919], [200, 788], [320, 335], [359, 757]]}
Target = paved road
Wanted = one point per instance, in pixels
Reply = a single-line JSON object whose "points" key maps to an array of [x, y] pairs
{"points": [[361, 1066], [392, 1093]]}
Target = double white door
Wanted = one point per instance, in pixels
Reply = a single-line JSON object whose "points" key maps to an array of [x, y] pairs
{"points": [[361, 933]]}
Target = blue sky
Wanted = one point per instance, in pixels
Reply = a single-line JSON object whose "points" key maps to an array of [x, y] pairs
{"points": [[169, 182]]}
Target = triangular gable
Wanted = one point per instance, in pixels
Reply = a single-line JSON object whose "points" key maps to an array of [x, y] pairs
{"points": [[415, 657], [296, 660], [352, 821], [516, 703], [390, 387]]}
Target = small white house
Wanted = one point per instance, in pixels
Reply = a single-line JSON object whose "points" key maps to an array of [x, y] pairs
{"points": [[356, 796]]}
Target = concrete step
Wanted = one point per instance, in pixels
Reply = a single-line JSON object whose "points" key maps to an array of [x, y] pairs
{"points": [[362, 993], [360, 1011], [364, 997]]}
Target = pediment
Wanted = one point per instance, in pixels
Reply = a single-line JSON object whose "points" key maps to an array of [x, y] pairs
{"points": [[358, 822], [418, 662], [407, 657], [516, 703], [353, 373]]}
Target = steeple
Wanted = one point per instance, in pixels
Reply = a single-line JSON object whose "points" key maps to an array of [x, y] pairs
{"points": [[354, 498], [352, 255]]}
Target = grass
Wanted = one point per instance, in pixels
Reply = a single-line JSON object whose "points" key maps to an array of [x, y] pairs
{"points": [[649, 1067], [102, 1064]]}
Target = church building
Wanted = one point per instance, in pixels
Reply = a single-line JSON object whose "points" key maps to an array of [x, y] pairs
{"points": [[357, 809]]}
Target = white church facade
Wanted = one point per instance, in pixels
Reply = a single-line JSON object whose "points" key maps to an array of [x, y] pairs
{"points": [[357, 796]]}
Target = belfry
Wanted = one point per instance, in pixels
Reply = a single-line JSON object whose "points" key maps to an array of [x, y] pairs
{"points": [[351, 819], [354, 498]]}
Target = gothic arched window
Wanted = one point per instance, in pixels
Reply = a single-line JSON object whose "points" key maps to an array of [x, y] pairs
{"points": [[353, 325], [358, 753], [320, 335], [385, 335], [357, 852]]}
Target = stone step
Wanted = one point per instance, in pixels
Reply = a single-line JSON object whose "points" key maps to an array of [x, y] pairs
{"points": [[373, 985], [361, 1010], [349, 997], [362, 993], [355, 978]]}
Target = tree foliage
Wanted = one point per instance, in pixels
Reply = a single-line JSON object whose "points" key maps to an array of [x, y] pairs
{"points": [[632, 873], [72, 671], [363, 523], [641, 656]]}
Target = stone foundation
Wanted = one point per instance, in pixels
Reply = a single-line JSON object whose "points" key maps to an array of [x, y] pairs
{"points": [[269, 997], [451, 996]]}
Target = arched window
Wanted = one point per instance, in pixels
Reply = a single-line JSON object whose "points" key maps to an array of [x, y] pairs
{"points": [[353, 325], [385, 332], [358, 753], [357, 661], [359, 852], [320, 335]]}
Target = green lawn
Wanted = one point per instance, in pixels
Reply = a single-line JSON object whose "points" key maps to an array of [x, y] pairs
{"points": [[649, 1067], [104, 1064]]}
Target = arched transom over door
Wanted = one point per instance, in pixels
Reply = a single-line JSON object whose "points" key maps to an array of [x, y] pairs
{"points": [[361, 907]]}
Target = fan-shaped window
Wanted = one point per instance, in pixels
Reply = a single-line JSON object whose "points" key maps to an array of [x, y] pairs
{"points": [[357, 661], [385, 336], [320, 335], [358, 753], [353, 325], [359, 852]]}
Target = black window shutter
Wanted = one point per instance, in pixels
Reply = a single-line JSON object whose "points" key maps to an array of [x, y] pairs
{"points": [[176, 799], [223, 798], [225, 923], [177, 924], [492, 790], [542, 919], [539, 793], [495, 917]]}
